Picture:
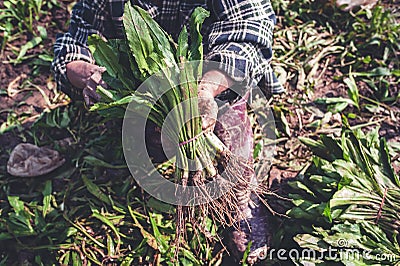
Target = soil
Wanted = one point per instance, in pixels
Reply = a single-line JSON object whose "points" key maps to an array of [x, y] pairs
{"points": [[291, 156], [18, 98], [16, 76]]}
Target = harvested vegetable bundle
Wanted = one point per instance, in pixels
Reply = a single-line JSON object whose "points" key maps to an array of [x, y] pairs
{"points": [[351, 198], [168, 98]]}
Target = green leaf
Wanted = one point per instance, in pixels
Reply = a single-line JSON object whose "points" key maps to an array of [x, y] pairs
{"points": [[183, 44], [246, 253], [112, 112], [42, 31], [91, 160], [311, 242], [335, 104], [126, 59], [16, 203], [47, 196], [318, 148], [149, 238], [20, 219], [107, 222], [188, 254], [105, 56], [27, 46], [257, 149], [333, 100], [376, 72], [196, 46], [71, 231], [352, 91], [160, 206], [387, 166], [162, 244], [162, 41], [396, 72], [6, 236], [121, 102], [344, 181], [96, 191], [196, 20], [107, 95], [332, 145], [138, 36], [65, 120], [110, 246], [76, 259], [148, 42], [358, 154], [279, 112], [327, 212], [324, 181], [337, 108], [300, 185]]}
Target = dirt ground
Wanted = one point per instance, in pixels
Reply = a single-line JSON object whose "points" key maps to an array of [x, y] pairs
{"points": [[13, 77], [24, 94]]}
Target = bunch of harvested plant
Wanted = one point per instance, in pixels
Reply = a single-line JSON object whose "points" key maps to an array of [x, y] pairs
{"points": [[149, 52], [347, 204]]}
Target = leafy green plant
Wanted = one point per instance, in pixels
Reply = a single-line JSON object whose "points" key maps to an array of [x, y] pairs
{"points": [[6, 27], [24, 12], [155, 61], [366, 40], [13, 121], [338, 104], [20, 19], [380, 80], [33, 221], [348, 199], [374, 33]]}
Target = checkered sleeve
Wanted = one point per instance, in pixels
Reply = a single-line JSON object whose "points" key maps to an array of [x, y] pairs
{"points": [[241, 41], [87, 18]]}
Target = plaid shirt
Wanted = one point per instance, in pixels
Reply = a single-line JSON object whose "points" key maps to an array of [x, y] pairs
{"points": [[238, 34]]}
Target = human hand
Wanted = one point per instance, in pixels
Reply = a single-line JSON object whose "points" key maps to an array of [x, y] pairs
{"points": [[208, 109], [213, 83], [86, 76]]}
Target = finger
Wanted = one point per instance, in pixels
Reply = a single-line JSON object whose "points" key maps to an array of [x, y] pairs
{"points": [[209, 127], [205, 93], [90, 96], [103, 84], [207, 123], [91, 103], [95, 68], [96, 77], [86, 97], [215, 81], [206, 89], [94, 81], [94, 95], [90, 90], [102, 69]]}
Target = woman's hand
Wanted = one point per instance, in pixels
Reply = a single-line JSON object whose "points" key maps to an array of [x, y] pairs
{"points": [[213, 83], [87, 77]]}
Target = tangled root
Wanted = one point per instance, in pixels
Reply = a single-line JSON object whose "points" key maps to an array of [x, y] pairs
{"points": [[237, 191]]}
